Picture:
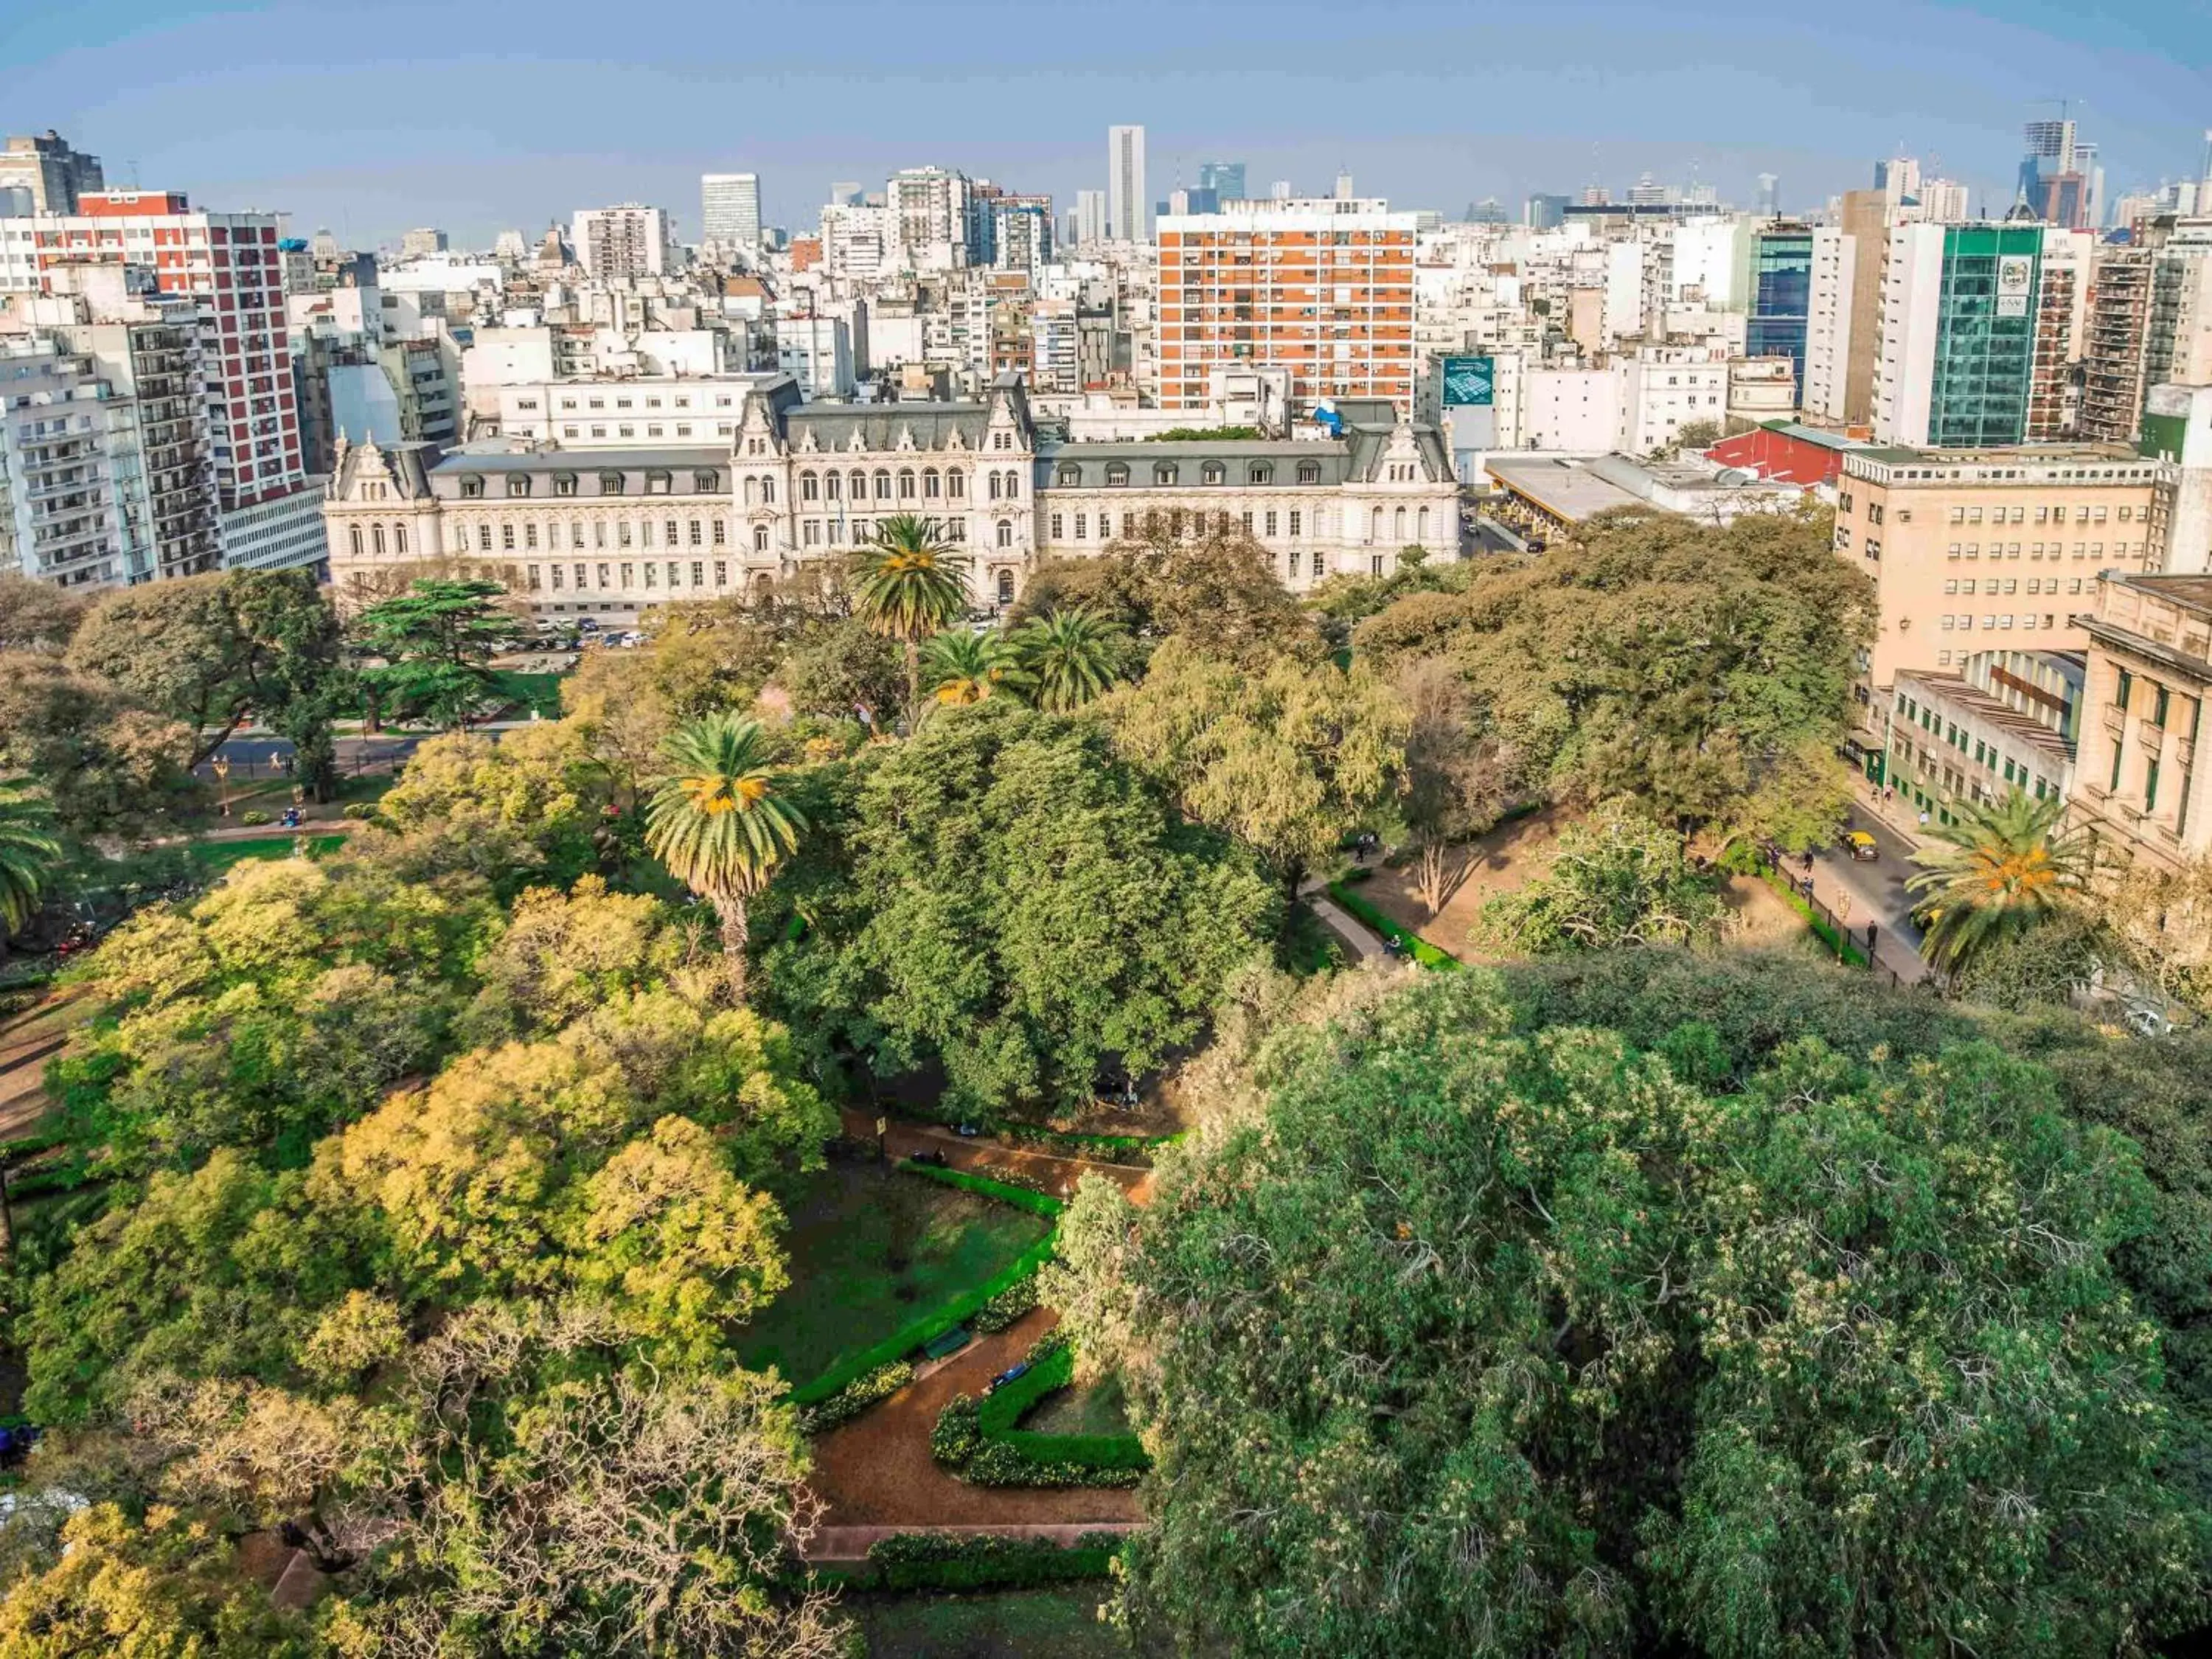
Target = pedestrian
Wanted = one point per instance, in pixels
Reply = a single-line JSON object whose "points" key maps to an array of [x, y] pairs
{"points": [[1809, 862], [1870, 937], [1924, 817]]}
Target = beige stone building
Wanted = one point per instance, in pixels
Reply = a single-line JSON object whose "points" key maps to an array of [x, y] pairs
{"points": [[1974, 550], [2137, 784]]}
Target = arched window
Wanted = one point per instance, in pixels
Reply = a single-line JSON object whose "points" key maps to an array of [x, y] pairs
{"points": [[399, 539], [1013, 485], [1164, 473], [760, 538], [833, 485], [1070, 475], [1213, 473], [994, 486], [767, 492], [932, 486], [955, 485], [752, 492], [1398, 526], [1005, 533], [1261, 473], [376, 537], [1375, 527], [353, 538], [906, 484], [883, 485], [1005, 587], [810, 486], [1422, 519], [472, 488], [1117, 472], [518, 483]]}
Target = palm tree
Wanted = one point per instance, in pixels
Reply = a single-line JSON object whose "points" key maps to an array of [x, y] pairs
{"points": [[961, 667], [27, 852], [906, 586], [2000, 867], [718, 824], [1072, 655]]}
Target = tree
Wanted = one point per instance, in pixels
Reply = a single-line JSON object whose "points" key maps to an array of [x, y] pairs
{"points": [[28, 852], [1285, 756], [215, 650], [1458, 777], [2162, 921], [435, 641], [1797, 798], [907, 585], [1619, 879], [110, 766], [1999, 868], [960, 667], [1697, 435], [1072, 656], [36, 615], [1448, 1335], [1187, 576], [1003, 899], [718, 824], [842, 670], [526, 806]]}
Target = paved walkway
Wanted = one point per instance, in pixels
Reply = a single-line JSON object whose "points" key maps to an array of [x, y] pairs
{"points": [[1364, 945], [984, 1155]]}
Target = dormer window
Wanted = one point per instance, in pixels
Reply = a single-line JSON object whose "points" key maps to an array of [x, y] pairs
{"points": [[518, 483], [1213, 473], [1261, 473], [611, 483], [658, 483], [564, 484], [1309, 471], [473, 488], [1164, 473], [1070, 475], [706, 483], [1117, 473]]}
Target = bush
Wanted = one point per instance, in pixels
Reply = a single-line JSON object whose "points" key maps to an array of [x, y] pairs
{"points": [[1003, 1309], [1005, 1191], [855, 1397], [1004, 1463], [978, 1441], [940, 1561], [1419, 948], [253, 815], [358, 810], [956, 1436]]}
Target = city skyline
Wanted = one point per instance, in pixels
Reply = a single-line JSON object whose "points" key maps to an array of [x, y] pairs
{"points": [[1703, 98]]}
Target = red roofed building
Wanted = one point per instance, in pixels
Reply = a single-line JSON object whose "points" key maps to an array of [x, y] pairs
{"points": [[1786, 452]]}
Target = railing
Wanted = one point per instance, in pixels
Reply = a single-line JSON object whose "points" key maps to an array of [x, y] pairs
{"points": [[1828, 926]]}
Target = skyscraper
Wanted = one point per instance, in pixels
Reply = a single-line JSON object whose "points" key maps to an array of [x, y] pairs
{"points": [[54, 175], [1126, 216], [1090, 216], [1224, 178], [729, 208], [1780, 296]]}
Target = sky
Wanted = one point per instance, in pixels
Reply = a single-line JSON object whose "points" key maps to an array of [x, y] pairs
{"points": [[375, 116]]}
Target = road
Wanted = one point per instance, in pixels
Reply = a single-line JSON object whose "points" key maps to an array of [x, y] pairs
{"points": [[1874, 891]]}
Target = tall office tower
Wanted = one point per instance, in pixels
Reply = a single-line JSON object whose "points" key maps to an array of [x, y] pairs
{"points": [[730, 209], [1224, 178], [1544, 212], [1647, 191], [1280, 191], [1898, 179], [1126, 219], [615, 243], [1344, 187], [1780, 296], [2048, 149], [227, 265], [1770, 195], [1963, 330], [1090, 217], [54, 175], [1323, 288]]}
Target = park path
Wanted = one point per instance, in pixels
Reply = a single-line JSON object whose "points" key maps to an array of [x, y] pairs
{"points": [[1357, 937], [982, 1155]]}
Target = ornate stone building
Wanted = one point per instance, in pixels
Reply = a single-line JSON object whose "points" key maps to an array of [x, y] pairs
{"points": [[609, 533]]}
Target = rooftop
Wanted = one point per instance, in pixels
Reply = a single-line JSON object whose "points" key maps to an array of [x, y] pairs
{"points": [[2190, 592], [1990, 711]]}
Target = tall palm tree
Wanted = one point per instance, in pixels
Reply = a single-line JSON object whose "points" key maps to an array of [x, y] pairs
{"points": [[1072, 655], [907, 585], [718, 824], [29, 852], [2000, 867], [961, 667]]}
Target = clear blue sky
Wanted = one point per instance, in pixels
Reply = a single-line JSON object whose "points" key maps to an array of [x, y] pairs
{"points": [[373, 117]]}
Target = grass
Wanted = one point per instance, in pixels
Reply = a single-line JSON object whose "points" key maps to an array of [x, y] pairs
{"points": [[870, 1248], [1100, 1408], [213, 858], [1010, 1624], [529, 693]]}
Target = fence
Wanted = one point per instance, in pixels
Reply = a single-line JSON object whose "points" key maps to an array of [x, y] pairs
{"points": [[1830, 928], [366, 759]]}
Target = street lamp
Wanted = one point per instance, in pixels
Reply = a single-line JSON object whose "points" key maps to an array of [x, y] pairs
{"points": [[222, 777]]}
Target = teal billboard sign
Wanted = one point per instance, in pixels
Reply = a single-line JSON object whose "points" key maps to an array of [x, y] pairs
{"points": [[1468, 382]]}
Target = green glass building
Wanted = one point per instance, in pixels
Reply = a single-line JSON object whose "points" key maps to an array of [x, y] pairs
{"points": [[1986, 336]]}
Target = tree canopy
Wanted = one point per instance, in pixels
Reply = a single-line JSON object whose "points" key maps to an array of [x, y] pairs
{"points": [[435, 640]]}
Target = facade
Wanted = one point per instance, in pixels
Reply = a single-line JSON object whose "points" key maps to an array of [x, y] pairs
{"points": [[2112, 356], [227, 265], [800, 482], [620, 243], [730, 210], [1128, 219], [1666, 388], [421, 243], [2177, 428], [2007, 720], [647, 411], [1781, 295], [59, 515], [2138, 787], [1959, 335], [1323, 288], [1966, 548], [1224, 178], [1021, 233], [52, 176], [817, 351]]}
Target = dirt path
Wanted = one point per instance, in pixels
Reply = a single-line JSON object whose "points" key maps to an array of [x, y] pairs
{"points": [[986, 1157], [27, 1041], [876, 1471]]}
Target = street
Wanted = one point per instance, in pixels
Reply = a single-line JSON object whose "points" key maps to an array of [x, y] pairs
{"points": [[1861, 892]]}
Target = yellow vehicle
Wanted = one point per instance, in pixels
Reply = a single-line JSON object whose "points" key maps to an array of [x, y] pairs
{"points": [[1860, 844]]}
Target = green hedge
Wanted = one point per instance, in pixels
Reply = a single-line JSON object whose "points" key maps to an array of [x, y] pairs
{"points": [[979, 1439], [1021, 1198], [1421, 951], [927, 1328], [855, 1397], [1826, 934], [1086, 1144], [942, 1561]]}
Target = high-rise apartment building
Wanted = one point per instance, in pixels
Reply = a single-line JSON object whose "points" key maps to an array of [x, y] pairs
{"points": [[1323, 288], [1224, 178], [52, 174], [1781, 295], [421, 243], [2112, 360], [730, 209], [228, 265], [618, 243], [935, 211], [1090, 217], [1021, 231], [1962, 322], [1127, 217]]}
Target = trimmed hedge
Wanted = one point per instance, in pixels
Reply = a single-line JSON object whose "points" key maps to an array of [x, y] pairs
{"points": [[1082, 1144], [1022, 1197], [1421, 949], [929, 1327], [1003, 1309], [978, 1439], [855, 1397], [927, 1560]]}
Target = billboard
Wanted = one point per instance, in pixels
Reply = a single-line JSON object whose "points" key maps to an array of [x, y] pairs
{"points": [[2016, 277], [1468, 382]]}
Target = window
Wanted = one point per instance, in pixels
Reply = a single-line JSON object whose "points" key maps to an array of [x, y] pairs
{"points": [[760, 538], [1309, 472], [882, 486], [932, 486], [2126, 686], [698, 533], [1082, 525], [906, 486], [507, 538], [2150, 784], [721, 572], [579, 577], [1118, 474], [353, 540], [659, 483], [399, 539], [955, 485], [698, 573], [1260, 473], [767, 492], [995, 487], [1056, 526], [473, 488], [810, 486], [1070, 477], [529, 538], [629, 577], [1005, 533], [564, 484], [2160, 699], [535, 577], [1213, 473], [603, 576], [1164, 473], [611, 483]]}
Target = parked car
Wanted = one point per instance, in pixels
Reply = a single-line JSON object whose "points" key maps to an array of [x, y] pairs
{"points": [[1860, 846], [1005, 1377]]}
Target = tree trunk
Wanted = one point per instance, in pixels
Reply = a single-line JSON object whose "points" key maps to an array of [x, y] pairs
{"points": [[736, 929], [913, 685]]}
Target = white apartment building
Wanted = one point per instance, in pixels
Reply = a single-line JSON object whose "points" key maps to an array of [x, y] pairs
{"points": [[730, 210], [1828, 324], [1574, 412], [1665, 388], [818, 352], [60, 518], [1090, 219], [1128, 207], [648, 411], [860, 244], [625, 241]]}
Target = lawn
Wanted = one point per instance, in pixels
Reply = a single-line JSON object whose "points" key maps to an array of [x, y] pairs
{"points": [[526, 692], [870, 1249], [1011, 1625], [214, 857], [1101, 1408]]}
